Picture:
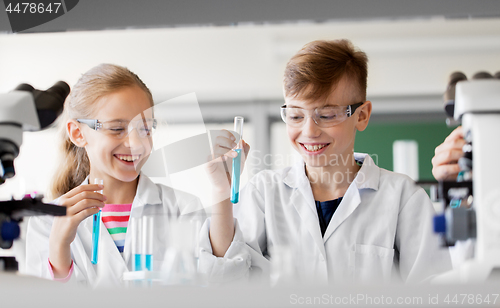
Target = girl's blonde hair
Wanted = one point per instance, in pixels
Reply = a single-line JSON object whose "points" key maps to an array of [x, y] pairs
{"points": [[99, 81]]}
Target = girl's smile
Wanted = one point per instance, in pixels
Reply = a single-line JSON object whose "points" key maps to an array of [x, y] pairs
{"points": [[129, 160]]}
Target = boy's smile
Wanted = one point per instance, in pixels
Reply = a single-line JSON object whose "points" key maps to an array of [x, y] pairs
{"points": [[314, 148]]}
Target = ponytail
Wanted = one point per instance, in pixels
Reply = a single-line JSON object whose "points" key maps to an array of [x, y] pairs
{"points": [[74, 164]]}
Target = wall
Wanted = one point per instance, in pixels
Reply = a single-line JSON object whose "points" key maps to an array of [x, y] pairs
{"points": [[240, 68]]}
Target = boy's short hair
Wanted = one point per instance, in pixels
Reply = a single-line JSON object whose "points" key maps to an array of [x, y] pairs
{"points": [[319, 66]]}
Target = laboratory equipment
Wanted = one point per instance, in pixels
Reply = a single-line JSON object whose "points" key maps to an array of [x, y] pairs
{"points": [[236, 169], [96, 228], [135, 230], [141, 229], [179, 267], [177, 264], [147, 241], [472, 204], [24, 109]]}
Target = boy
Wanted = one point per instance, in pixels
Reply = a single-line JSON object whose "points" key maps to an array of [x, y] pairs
{"points": [[335, 216]]}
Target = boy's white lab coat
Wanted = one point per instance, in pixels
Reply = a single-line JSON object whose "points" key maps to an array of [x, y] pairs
{"points": [[150, 199], [381, 230]]}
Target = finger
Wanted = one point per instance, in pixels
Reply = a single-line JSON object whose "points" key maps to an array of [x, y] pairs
{"points": [[244, 154], [230, 155], [246, 147], [221, 151], [457, 133], [84, 195], [80, 216], [447, 157], [242, 145], [446, 172], [451, 144], [225, 142], [227, 163], [83, 205], [227, 134], [81, 188]]}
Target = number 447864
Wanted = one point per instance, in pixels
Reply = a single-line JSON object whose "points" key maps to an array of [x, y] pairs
{"points": [[472, 299], [33, 8]]}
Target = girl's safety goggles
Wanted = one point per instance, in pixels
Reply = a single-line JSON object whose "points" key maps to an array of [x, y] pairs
{"points": [[122, 128], [323, 116]]}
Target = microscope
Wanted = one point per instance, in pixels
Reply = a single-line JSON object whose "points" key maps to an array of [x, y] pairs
{"points": [[24, 109], [472, 203]]}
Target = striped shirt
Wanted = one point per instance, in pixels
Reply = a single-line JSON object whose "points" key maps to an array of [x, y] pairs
{"points": [[115, 217]]}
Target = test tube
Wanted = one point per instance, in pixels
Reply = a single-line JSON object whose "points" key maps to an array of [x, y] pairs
{"points": [[96, 228], [136, 247], [235, 176], [147, 241]]}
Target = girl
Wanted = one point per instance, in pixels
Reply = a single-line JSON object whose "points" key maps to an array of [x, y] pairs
{"points": [[335, 217], [106, 130]]}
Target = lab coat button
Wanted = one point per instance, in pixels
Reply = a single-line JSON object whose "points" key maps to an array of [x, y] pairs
{"points": [[321, 258]]}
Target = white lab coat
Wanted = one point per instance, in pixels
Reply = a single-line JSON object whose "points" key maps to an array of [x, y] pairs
{"points": [[381, 230], [150, 199]]}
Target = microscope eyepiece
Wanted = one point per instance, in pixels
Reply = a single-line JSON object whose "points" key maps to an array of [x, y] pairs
{"points": [[24, 87], [449, 95], [482, 75], [49, 103], [60, 89]]}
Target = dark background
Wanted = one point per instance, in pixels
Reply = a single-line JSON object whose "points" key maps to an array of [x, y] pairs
{"points": [[121, 14]]}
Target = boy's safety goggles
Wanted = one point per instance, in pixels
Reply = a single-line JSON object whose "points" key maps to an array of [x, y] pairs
{"points": [[122, 128], [323, 116]]}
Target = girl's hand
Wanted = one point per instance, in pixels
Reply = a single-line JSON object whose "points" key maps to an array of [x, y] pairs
{"points": [[220, 164], [80, 202], [445, 161]]}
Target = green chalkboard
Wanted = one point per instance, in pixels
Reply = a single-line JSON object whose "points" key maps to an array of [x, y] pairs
{"points": [[379, 137]]}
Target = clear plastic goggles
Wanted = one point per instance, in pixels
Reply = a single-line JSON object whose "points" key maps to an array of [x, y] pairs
{"points": [[121, 128], [323, 116]]}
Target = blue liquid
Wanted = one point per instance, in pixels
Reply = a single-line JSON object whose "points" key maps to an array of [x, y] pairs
{"points": [[95, 236], [137, 262], [235, 178], [149, 262]]}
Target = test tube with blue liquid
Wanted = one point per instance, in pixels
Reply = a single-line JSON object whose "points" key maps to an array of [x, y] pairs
{"points": [[236, 170], [96, 228], [147, 241], [136, 247]]}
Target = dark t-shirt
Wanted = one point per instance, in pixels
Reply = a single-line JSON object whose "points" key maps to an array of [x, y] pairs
{"points": [[325, 212]]}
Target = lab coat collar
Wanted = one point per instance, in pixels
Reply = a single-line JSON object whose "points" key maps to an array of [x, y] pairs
{"points": [[368, 176], [145, 184], [295, 176]]}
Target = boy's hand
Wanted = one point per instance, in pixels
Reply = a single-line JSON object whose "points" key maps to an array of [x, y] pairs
{"points": [[220, 164], [445, 161]]}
